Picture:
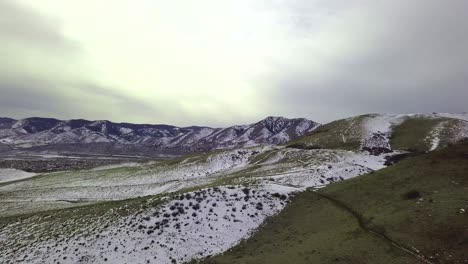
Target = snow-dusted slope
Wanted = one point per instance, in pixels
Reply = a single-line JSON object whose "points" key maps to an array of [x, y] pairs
{"points": [[384, 132], [64, 189], [312, 168], [196, 224], [8, 175], [45, 131], [242, 188], [462, 116]]}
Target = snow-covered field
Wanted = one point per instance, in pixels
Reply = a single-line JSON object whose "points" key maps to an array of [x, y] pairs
{"points": [[193, 225], [57, 190], [337, 166]]}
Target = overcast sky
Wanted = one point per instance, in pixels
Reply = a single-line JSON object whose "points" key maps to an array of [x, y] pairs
{"points": [[223, 62]]}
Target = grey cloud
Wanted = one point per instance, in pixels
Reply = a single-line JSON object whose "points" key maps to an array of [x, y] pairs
{"points": [[403, 56], [20, 25], [59, 91], [24, 96], [124, 107], [35, 97], [416, 61]]}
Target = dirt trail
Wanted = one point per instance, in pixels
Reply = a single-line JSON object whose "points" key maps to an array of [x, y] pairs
{"points": [[364, 227]]}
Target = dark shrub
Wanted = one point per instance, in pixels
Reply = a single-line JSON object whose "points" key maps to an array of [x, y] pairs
{"points": [[411, 195]]}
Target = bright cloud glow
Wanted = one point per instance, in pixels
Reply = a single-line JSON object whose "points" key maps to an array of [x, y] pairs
{"points": [[209, 62]]}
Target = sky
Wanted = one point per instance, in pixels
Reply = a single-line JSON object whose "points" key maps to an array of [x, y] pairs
{"points": [[225, 62]]}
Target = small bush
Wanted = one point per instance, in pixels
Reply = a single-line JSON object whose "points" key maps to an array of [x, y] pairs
{"points": [[411, 195]]}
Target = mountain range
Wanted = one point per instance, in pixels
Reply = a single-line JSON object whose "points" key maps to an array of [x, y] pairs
{"points": [[38, 133]]}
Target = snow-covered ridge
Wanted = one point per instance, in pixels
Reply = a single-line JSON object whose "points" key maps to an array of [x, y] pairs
{"points": [[46, 131], [461, 116]]}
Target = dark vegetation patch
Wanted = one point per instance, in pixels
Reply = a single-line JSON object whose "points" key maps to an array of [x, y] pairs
{"points": [[376, 151], [411, 195], [394, 159], [303, 146], [59, 164]]}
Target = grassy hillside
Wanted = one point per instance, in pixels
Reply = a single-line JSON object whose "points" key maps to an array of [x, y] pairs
{"points": [[421, 132], [340, 134], [420, 204]]}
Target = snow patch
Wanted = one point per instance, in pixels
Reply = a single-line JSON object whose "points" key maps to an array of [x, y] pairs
{"points": [[434, 136], [377, 130], [7, 175]]}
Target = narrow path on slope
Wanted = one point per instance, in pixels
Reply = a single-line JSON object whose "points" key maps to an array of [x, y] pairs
{"points": [[364, 227], [347, 130]]}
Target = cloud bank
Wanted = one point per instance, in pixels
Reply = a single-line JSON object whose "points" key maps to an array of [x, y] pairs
{"points": [[224, 62]]}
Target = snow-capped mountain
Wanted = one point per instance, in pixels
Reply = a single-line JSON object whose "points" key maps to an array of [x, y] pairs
{"points": [[35, 132]]}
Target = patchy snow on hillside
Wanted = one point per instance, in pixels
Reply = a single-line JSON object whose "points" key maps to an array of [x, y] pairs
{"points": [[129, 181], [460, 132], [193, 225], [434, 136], [339, 166], [8, 175], [462, 116], [115, 166], [304, 127], [378, 128]]}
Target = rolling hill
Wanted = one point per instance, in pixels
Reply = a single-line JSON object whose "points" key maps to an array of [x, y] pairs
{"points": [[416, 132], [412, 212]]}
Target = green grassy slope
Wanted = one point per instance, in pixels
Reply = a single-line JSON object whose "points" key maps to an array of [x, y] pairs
{"points": [[340, 134], [413, 132], [312, 230], [417, 133], [417, 203]]}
